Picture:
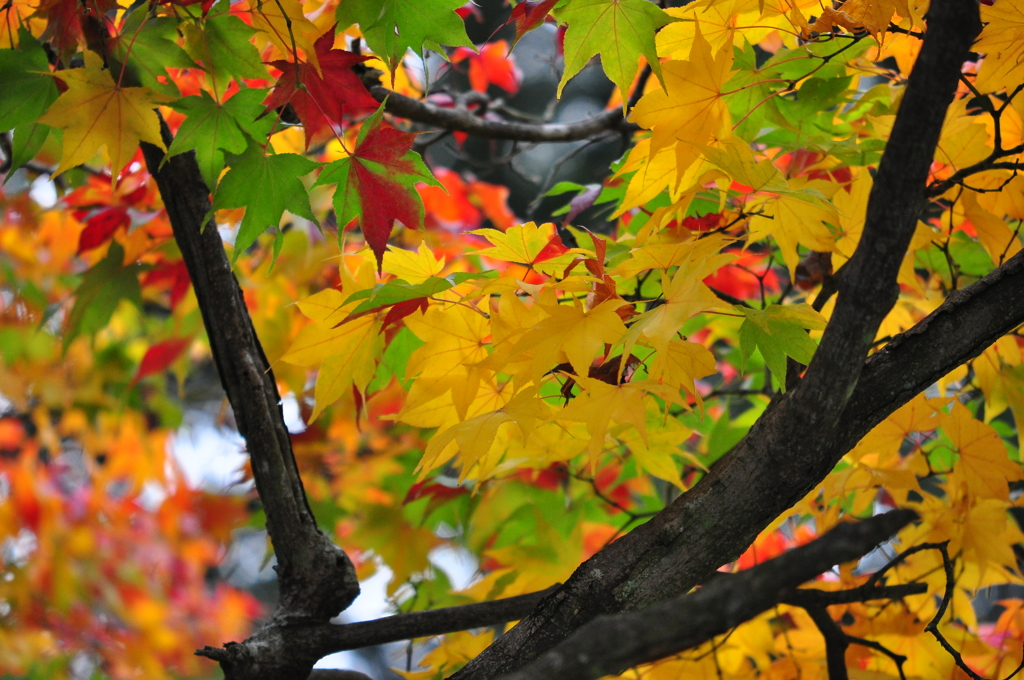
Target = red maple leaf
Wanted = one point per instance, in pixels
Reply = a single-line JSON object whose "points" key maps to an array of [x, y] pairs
{"points": [[376, 183], [71, 21], [527, 16], [325, 98], [101, 226], [160, 356], [173, 273], [490, 66]]}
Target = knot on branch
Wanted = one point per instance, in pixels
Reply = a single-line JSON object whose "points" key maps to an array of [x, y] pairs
{"points": [[320, 587]]}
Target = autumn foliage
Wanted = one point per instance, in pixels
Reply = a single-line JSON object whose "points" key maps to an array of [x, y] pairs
{"points": [[468, 376]]}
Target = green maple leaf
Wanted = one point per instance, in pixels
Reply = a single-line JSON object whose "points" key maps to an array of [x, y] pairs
{"points": [[212, 128], [619, 30], [266, 186], [779, 332], [221, 44], [26, 142], [102, 289], [147, 47], [392, 26], [28, 92]]}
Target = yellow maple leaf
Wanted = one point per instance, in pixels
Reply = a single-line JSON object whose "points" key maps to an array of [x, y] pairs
{"points": [[681, 362], [474, 438], [412, 266], [455, 338], [578, 333], [984, 464], [287, 27], [721, 23], [990, 372], [1002, 42], [855, 15], [685, 296], [964, 139], [666, 255], [600, 404], [657, 455], [995, 235], [690, 108], [917, 415], [795, 218], [95, 111], [524, 244]]}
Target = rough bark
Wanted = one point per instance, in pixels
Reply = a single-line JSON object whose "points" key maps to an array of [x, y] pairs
{"points": [[317, 579], [610, 644], [801, 436]]}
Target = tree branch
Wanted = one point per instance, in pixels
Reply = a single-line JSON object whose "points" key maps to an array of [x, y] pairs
{"points": [[609, 644], [464, 120], [800, 437], [327, 639], [317, 579]]}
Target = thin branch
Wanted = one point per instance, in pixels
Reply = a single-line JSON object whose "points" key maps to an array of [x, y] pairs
{"points": [[836, 642], [947, 597], [327, 639]]}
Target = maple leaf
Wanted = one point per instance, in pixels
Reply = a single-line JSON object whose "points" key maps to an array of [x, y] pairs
{"points": [[984, 463], [690, 108], [322, 96], [287, 27], [779, 332], [397, 292], [68, 18], [413, 266], [101, 226], [796, 217], [680, 362], [600, 404], [145, 47], [476, 436], [529, 245], [28, 92], [1002, 42], [490, 66], [580, 334], [220, 42], [103, 287], [528, 15], [376, 183], [159, 356], [265, 185], [619, 30], [856, 15], [213, 129], [453, 342], [391, 27], [95, 111]]}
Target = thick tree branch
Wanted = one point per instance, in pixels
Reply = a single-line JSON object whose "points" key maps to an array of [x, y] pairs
{"points": [[799, 438], [316, 577], [464, 120], [968, 321], [609, 644]]}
